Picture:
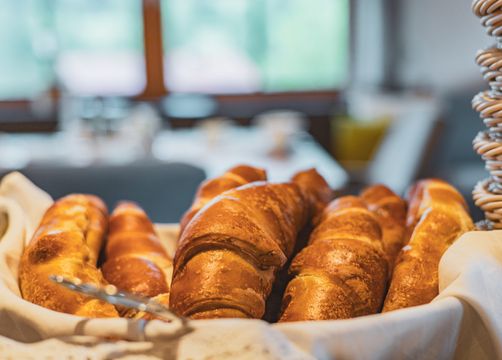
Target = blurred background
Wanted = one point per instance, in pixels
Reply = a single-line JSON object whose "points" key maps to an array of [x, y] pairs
{"points": [[143, 99]]}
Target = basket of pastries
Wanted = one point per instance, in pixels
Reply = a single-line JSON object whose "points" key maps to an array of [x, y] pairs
{"points": [[254, 270]]}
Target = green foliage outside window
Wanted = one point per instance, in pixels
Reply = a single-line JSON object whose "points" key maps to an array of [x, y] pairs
{"points": [[282, 44]]}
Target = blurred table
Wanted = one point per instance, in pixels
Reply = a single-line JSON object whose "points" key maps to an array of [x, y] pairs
{"points": [[235, 145], [247, 145], [20, 150]]}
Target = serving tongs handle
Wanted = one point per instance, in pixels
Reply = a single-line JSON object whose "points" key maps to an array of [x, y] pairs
{"points": [[114, 296]]}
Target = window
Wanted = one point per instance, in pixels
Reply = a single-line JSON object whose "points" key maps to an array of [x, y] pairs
{"points": [[90, 47], [95, 47], [226, 46], [100, 46], [26, 49]]}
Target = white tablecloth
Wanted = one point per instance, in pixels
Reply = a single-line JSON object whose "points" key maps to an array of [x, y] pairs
{"points": [[464, 322]]}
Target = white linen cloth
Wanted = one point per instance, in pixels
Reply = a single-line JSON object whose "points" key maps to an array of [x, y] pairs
{"points": [[463, 322]]}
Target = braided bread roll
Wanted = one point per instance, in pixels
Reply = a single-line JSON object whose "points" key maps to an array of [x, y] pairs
{"points": [[390, 211], [67, 242], [209, 189], [438, 214], [135, 259], [229, 254], [343, 270]]}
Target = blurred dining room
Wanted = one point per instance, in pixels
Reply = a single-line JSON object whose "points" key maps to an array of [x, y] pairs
{"points": [[250, 179], [149, 97]]}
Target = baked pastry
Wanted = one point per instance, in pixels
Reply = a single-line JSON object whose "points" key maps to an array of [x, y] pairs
{"points": [[209, 189], [317, 190], [342, 272], [307, 180], [67, 242], [438, 216], [136, 262], [229, 254], [390, 211]]}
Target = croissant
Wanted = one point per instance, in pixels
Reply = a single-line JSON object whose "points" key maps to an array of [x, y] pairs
{"points": [[319, 194], [67, 242], [390, 211], [209, 189], [229, 254], [135, 259], [440, 214], [343, 270]]}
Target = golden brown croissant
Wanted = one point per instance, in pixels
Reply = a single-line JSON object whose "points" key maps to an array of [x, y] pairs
{"points": [[135, 259], [229, 254], [67, 242], [343, 270], [390, 210], [319, 194], [209, 189], [441, 216]]}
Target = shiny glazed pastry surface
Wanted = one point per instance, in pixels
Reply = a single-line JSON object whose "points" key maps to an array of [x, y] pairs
{"points": [[67, 242], [135, 259], [229, 254], [437, 216], [390, 211], [343, 270], [209, 189]]}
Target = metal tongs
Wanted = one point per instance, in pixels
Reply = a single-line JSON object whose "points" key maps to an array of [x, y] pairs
{"points": [[112, 295]]}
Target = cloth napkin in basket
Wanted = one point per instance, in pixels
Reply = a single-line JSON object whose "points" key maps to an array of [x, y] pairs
{"points": [[463, 322]]}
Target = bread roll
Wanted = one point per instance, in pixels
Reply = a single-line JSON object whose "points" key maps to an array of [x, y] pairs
{"points": [[343, 270], [437, 216], [136, 262], [67, 242]]}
